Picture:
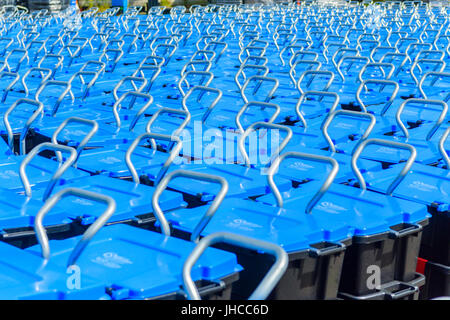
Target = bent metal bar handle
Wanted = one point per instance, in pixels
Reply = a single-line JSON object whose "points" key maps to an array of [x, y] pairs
{"points": [[313, 74], [263, 71], [177, 132], [266, 285], [45, 74], [39, 110], [259, 125], [260, 79], [444, 154], [204, 74], [173, 153], [195, 176], [132, 79], [203, 90], [347, 113], [67, 90], [435, 74], [380, 65], [16, 77], [387, 143], [351, 58], [61, 169], [312, 157], [94, 128], [383, 84], [134, 94], [320, 94], [263, 106], [87, 235], [436, 126]]}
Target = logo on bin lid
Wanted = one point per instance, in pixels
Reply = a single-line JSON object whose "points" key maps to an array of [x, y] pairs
{"points": [[111, 260], [344, 125], [301, 166], [330, 207], [387, 150], [8, 174], [110, 160], [243, 224], [420, 185]]}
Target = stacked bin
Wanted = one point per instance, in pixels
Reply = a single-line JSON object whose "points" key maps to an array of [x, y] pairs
{"points": [[308, 140]]}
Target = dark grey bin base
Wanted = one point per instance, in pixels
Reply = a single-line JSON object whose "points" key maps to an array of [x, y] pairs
{"points": [[396, 258], [208, 290], [395, 290]]}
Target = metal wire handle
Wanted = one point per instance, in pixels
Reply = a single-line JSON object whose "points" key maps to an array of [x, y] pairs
{"points": [[397, 145], [383, 83], [263, 68], [348, 113], [312, 63], [204, 74], [259, 125], [82, 144], [315, 73], [196, 62], [315, 93], [425, 102], [140, 73], [80, 74], [416, 64], [116, 107], [41, 72], [162, 185], [132, 79], [36, 150], [352, 58], [380, 65], [177, 132], [155, 58], [263, 106], [312, 157], [343, 50], [203, 90], [444, 154], [39, 110], [260, 79], [173, 153], [266, 285], [67, 90], [9, 87], [41, 233], [436, 75]]}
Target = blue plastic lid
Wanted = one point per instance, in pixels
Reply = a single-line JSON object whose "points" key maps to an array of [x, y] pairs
{"points": [[110, 161], [18, 211], [4, 149], [131, 199], [423, 184], [24, 275], [365, 212], [427, 151], [145, 263], [299, 170], [290, 229], [39, 172], [242, 181]]}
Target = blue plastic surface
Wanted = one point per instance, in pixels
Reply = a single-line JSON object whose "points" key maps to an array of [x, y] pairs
{"points": [[138, 263]]}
